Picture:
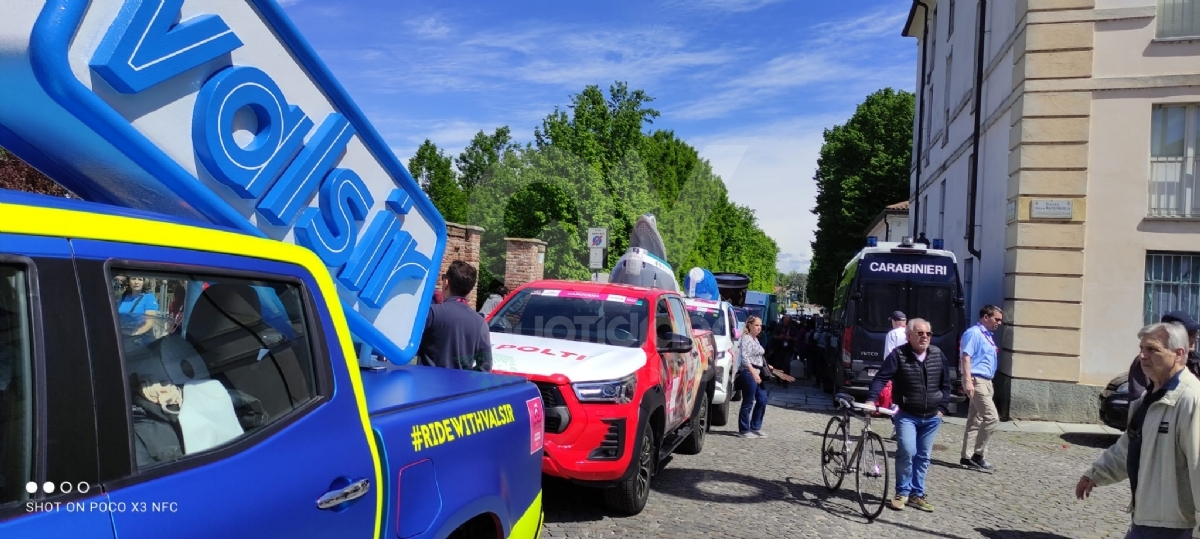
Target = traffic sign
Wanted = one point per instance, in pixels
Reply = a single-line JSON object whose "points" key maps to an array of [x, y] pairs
{"points": [[598, 238], [596, 260]]}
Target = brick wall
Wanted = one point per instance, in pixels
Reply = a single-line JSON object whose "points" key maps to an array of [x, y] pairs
{"points": [[462, 243], [525, 261]]}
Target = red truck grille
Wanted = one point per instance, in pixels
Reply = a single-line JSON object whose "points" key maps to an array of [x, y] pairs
{"points": [[557, 416]]}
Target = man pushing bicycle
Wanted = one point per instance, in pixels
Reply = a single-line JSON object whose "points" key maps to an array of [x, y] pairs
{"points": [[921, 388]]}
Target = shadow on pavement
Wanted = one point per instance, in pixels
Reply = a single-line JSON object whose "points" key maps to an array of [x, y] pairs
{"points": [[1098, 441], [563, 501], [1016, 534]]}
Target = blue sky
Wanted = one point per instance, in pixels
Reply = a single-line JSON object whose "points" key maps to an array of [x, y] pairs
{"points": [[750, 83]]}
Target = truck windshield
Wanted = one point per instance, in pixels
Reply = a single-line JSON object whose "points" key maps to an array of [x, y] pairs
{"points": [[707, 318], [574, 316]]}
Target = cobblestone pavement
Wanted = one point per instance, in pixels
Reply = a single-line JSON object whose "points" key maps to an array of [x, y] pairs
{"points": [[772, 487]]}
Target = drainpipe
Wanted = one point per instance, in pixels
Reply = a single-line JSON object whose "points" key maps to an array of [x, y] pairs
{"points": [[974, 186], [920, 112]]}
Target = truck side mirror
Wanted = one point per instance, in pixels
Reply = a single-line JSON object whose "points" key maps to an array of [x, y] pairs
{"points": [[675, 343]]}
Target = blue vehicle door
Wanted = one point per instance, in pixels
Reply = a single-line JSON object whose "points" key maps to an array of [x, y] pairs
{"points": [[226, 407], [49, 483]]}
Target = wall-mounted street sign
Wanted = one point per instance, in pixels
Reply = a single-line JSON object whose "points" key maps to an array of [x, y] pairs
{"points": [[1049, 208], [598, 238], [219, 111]]}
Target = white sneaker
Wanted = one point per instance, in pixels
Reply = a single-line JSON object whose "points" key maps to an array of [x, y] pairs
{"points": [[760, 434], [749, 434]]}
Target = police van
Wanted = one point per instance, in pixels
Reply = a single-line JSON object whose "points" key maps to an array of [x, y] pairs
{"points": [[884, 277]]}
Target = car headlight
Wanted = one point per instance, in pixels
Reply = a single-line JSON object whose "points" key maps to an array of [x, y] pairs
{"points": [[615, 391], [1123, 388]]}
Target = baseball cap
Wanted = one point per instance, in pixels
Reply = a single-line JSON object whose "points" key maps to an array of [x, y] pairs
{"points": [[1183, 318], [897, 315]]}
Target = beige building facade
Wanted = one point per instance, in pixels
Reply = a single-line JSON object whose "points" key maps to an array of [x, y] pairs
{"points": [[1086, 201]]}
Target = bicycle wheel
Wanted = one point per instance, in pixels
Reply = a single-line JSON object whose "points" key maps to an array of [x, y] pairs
{"points": [[833, 453], [874, 471]]}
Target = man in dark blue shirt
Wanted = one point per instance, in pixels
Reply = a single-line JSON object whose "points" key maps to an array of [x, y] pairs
{"points": [[456, 337]]}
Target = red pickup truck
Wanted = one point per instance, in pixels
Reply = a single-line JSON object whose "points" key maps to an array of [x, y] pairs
{"points": [[624, 378]]}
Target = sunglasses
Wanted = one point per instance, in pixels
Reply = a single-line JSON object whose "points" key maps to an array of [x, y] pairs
{"points": [[923, 333]]}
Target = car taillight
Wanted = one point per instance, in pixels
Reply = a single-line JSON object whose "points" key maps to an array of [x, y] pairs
{"points": [[847, 339]]}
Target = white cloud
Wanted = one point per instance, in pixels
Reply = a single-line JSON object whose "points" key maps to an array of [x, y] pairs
{"points": [[769, 168], [497, 60], [429, 27], [729, 6], [838, 60]]}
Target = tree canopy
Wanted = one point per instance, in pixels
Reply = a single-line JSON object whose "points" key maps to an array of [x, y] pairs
{"points": [[594, 164], [863, 167]]}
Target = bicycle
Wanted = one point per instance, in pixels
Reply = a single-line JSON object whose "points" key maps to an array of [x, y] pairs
{"points": [[864, 456]]}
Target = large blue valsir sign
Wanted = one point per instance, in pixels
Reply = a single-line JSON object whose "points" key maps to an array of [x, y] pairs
{"points": [[218, 111]]}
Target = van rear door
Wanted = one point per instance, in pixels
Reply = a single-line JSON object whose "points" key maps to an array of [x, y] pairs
{"points": [[922, 286]]}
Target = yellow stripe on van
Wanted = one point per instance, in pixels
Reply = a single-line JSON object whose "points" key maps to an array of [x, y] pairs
{"points": [[37, 221]]}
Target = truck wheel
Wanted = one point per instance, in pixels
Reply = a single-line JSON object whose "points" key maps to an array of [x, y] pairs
{"points": [[719, 414], [629, 496], [694, 443]]}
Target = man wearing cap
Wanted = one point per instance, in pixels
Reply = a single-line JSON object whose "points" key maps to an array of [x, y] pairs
{"points": [[896, 336], [979, 363], [1139, 382]]}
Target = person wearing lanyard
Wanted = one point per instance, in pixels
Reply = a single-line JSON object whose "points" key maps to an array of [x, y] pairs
{"points": [[979, 363]]}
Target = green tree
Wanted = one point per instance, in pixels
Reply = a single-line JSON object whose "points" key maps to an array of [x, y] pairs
{"points": [[863, 167], [475, 162], [433, 170]]}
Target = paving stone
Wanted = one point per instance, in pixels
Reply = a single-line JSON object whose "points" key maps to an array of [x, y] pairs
{"points": [[772, 487]]}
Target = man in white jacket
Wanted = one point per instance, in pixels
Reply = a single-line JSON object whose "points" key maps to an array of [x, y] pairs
{"points": [[1160, 450]]}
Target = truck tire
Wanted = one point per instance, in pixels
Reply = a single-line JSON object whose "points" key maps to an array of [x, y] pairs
{"points": [[719, 413], [629, 496], [694, 443]]}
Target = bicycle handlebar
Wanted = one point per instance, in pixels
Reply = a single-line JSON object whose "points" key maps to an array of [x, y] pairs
{"points": [[844, 401]]}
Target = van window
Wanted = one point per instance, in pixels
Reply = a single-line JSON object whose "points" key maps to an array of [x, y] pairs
{"points": [[16, 387], [208, 359], [934, 303], [879, 301]]}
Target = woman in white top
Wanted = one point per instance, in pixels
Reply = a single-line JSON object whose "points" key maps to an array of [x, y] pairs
{"points": [[754, 395]]}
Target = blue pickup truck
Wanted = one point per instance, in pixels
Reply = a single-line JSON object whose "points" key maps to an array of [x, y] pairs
{"points": [[165, 377]]}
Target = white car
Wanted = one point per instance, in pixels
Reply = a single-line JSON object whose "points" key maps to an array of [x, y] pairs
{"points": [[719, 317]]}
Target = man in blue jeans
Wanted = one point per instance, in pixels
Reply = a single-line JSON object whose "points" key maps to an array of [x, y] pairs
{"points": [[920, 378]]}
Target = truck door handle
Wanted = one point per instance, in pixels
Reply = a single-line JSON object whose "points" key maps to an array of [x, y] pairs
{"points": [[353, 491]]}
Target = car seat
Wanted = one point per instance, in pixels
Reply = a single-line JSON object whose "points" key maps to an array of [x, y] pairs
{"points": [[228, 330]]}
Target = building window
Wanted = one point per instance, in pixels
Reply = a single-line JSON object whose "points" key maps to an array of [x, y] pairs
{"points": [[1178, 18], [932, 46], [946, 98], [968, 282], [925, 215], [1174, 131], [942, 212], [1172, 284], [950, 21]]}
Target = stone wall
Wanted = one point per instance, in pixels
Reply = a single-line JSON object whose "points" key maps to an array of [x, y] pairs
{"points": [[462, 243], [524, 262]]}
